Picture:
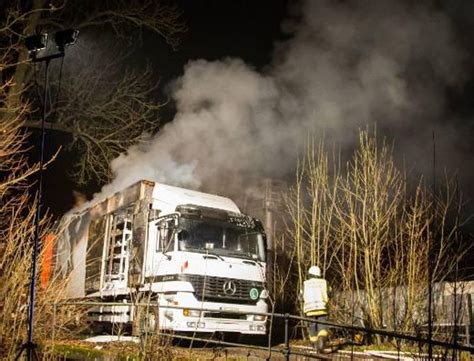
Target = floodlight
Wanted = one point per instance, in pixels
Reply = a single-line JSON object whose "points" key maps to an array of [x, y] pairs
{"points": [[66, 37], [36, 42]]}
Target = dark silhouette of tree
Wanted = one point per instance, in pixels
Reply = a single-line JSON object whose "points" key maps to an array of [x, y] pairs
{"points": [[103, 105]]}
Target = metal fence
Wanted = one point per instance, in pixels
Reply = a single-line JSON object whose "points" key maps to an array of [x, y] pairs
{"points": [[286, 349]]}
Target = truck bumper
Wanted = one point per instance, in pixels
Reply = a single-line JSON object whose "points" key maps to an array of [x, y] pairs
{"points": [[215, 317], [209, 325]]}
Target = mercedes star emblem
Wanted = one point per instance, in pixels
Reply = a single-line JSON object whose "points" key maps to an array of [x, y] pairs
{"points": [[229, 288]]}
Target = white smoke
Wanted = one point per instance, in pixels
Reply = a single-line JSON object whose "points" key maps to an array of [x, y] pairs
{"points": [[347, 64]]}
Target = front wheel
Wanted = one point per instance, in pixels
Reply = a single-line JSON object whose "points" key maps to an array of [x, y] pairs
{"points": [[145, 315]]}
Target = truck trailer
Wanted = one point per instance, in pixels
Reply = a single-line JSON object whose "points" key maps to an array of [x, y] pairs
{"points": [[177, 249]]}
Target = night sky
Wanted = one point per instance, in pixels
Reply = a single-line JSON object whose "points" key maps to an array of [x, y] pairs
{"points": [[247, 30], [239, 29]]}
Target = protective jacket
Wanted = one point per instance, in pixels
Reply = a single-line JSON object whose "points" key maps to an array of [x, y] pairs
{"points": [[315, 296]]}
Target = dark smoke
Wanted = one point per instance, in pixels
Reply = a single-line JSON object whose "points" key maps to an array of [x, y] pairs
{"points": [[348, 65]]}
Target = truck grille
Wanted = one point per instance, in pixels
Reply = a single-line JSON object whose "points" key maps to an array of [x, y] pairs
{"points": [[227, 290]]}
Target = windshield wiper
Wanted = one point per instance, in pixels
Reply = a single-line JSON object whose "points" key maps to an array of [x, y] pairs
{"points": [[246, 256], [243, 255], [206, 252], [215, 254]]}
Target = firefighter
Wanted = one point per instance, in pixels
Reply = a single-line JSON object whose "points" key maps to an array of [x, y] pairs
{"points": [[315, 297]]}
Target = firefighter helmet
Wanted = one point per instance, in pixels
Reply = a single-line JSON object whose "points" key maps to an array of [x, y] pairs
{"points": [[314, 271]]}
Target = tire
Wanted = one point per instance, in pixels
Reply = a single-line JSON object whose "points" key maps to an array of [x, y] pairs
{"points": [[150, 321], [146, 318]]}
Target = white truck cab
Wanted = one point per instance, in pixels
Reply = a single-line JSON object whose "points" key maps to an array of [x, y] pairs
{"points": [[183, 249]]}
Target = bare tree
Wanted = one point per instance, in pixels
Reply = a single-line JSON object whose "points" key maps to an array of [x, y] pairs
{"points": [[104, 106], [17, 231], [370, 232], [103, 123]]}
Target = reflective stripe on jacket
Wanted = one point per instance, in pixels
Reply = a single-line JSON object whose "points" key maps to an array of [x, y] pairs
{"points": [[315, 297]]}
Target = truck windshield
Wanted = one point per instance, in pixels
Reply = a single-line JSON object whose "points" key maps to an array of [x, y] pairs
{"points": [[220, 238]]}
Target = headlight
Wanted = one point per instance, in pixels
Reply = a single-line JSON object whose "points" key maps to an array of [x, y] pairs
{"points": [[259, 317], [264, 294], [191, 313]]}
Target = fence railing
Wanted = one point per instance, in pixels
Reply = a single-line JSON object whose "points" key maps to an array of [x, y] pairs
{"points": [[286, 349]]}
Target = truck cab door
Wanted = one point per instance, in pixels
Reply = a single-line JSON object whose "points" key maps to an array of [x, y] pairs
{"points": [[162, 234]]}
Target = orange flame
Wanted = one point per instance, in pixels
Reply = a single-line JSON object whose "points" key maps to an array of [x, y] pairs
{"points": [[47, 261]]}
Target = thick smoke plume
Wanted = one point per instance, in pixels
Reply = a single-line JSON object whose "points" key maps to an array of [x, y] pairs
{"points": [[347, 65]]}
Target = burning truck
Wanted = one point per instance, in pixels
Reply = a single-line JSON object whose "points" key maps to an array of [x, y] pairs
{"points": [[182, 249]]}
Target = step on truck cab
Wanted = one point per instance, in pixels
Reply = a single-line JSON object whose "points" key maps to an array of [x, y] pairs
{"points": [[174, 246]]}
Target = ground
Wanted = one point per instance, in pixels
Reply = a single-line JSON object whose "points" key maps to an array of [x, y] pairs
{"points": [[130, 351]]}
